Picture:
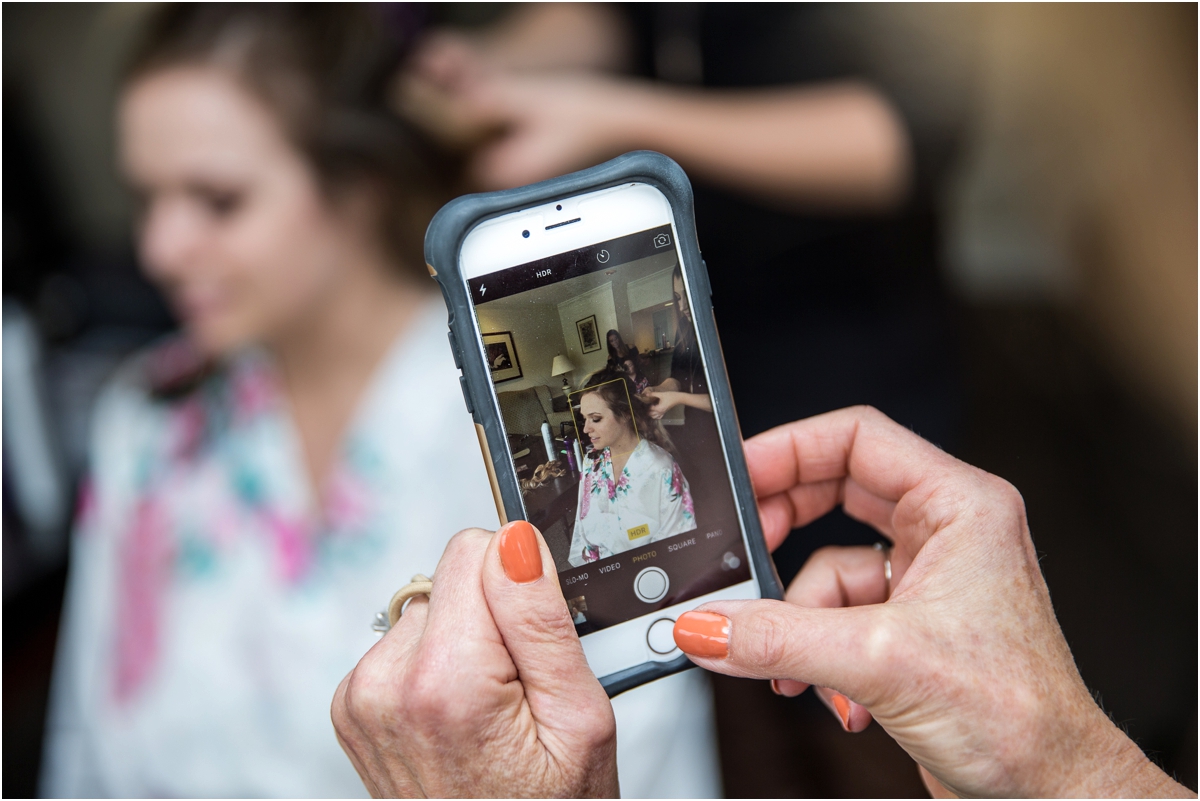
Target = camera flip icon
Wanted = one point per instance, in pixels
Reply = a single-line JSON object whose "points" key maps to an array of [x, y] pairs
{"points": [[662, 240]]}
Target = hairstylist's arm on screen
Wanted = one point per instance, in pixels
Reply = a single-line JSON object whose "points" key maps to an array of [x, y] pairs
{"points": [[484, 691]]}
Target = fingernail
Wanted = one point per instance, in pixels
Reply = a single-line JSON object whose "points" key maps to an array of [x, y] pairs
{"points": [[787, 688], [702, 634], [842, 704], [519, 552]]}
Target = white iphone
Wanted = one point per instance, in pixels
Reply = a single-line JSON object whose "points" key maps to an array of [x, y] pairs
{"points": [[593, 370]]}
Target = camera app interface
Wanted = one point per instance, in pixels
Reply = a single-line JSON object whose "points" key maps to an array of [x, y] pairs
{"points": [[604, 397]]}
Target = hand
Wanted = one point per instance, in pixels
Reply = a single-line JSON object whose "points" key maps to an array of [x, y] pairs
{"points": [[964, 663], [482, 690], [663, 402], [520, 126]]}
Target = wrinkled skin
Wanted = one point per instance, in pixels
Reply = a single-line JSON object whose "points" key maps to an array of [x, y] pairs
{"points": [[482, 690], [485, 692], [964, 664]]}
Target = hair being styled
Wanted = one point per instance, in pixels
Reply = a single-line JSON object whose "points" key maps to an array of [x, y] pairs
{"points": [[325, 71], [619, 394]]}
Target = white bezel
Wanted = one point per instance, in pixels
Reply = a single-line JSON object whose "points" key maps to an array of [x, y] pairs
{"points": [[498, 244]]}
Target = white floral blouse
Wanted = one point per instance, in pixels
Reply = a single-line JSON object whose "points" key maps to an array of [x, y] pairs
{"points": [[213, 604], [650, 501]]}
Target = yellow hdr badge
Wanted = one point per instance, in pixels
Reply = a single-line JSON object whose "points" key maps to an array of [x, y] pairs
{"points": [[637, 532]]}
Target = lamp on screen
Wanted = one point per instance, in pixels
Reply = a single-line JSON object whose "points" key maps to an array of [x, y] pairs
{"points": [[562, 365]]}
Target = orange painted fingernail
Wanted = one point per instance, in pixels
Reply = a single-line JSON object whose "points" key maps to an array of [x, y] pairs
{"points": [[519, 552], [702, 634], [842, 704]]}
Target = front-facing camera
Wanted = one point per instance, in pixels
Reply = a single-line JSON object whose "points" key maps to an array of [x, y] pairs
{"points": [[525, 234]]}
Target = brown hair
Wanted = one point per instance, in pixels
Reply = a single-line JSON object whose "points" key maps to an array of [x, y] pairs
{"points": [[619, 394], [685, 332], [325, 71]]}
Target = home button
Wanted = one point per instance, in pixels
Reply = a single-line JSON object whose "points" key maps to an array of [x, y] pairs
{"points": [[661, 636], [651, 585]]}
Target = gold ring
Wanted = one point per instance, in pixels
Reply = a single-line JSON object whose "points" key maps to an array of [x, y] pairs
{"points": [[420, 585]]}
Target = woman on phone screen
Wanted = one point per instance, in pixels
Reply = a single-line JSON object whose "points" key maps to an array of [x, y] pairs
{"points": [[633, 492]]}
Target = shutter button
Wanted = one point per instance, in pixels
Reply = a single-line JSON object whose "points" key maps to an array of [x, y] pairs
{"points": [[651, 585]]}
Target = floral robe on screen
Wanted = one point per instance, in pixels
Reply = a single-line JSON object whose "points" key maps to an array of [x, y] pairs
{"points": [[650, 501]]}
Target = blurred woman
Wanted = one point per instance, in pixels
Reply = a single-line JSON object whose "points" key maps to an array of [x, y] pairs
{"points": [[618, 351], [633, 492], [261, 483]]}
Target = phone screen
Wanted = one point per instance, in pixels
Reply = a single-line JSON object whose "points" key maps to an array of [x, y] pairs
{"points": [[603, 391]]}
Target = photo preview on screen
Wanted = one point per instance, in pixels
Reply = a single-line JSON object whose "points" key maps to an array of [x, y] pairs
{"points": [[602, 388]]}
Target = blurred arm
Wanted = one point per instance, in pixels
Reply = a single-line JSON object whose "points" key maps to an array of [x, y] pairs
{"points": [[838, 144]]}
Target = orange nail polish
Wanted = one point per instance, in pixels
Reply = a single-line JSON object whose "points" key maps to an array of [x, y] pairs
{"points": [[702, 634], [519, 552], [842, 704]]}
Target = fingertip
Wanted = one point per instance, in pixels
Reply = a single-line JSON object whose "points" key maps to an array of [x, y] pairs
{"points": [[703, 634], [841, 705], [787, 687], [775, 515], [853, 717], [519, 546]]}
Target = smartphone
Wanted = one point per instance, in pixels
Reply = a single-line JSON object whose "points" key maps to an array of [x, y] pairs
{"points": [[580, 315]]}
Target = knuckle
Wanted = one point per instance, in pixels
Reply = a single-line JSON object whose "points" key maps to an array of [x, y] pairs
{"points": [[881, 648], [600, 733], [824, 556], [422, 699], [766, 646], [339, 710], [551, 623], [1008, 495], [466, 542], [430, 705], [362, 699], [463, 550], [865, 410]]}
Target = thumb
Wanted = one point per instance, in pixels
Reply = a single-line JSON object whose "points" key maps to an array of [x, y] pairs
{"points": [[835, 648], [531, 615]]}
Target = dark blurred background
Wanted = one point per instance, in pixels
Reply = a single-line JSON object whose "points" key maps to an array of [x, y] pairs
{"points": [[1068, 246]]}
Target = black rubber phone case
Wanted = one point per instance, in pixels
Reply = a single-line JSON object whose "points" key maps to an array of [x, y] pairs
{"points": [[443, 241]]}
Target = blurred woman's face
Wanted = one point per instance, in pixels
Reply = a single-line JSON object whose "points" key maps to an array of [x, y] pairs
{"points": [[599, 422], [681, 298], [233, 226]]}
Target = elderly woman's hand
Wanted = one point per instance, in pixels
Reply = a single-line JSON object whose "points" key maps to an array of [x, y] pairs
{"points": [[961, 659], [482, 690]]}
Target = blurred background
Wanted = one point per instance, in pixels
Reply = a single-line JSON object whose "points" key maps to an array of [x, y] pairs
{"points": [[1065, 195]]}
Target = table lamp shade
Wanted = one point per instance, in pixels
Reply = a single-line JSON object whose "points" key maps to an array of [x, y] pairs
{"points": [[561, 365]]}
